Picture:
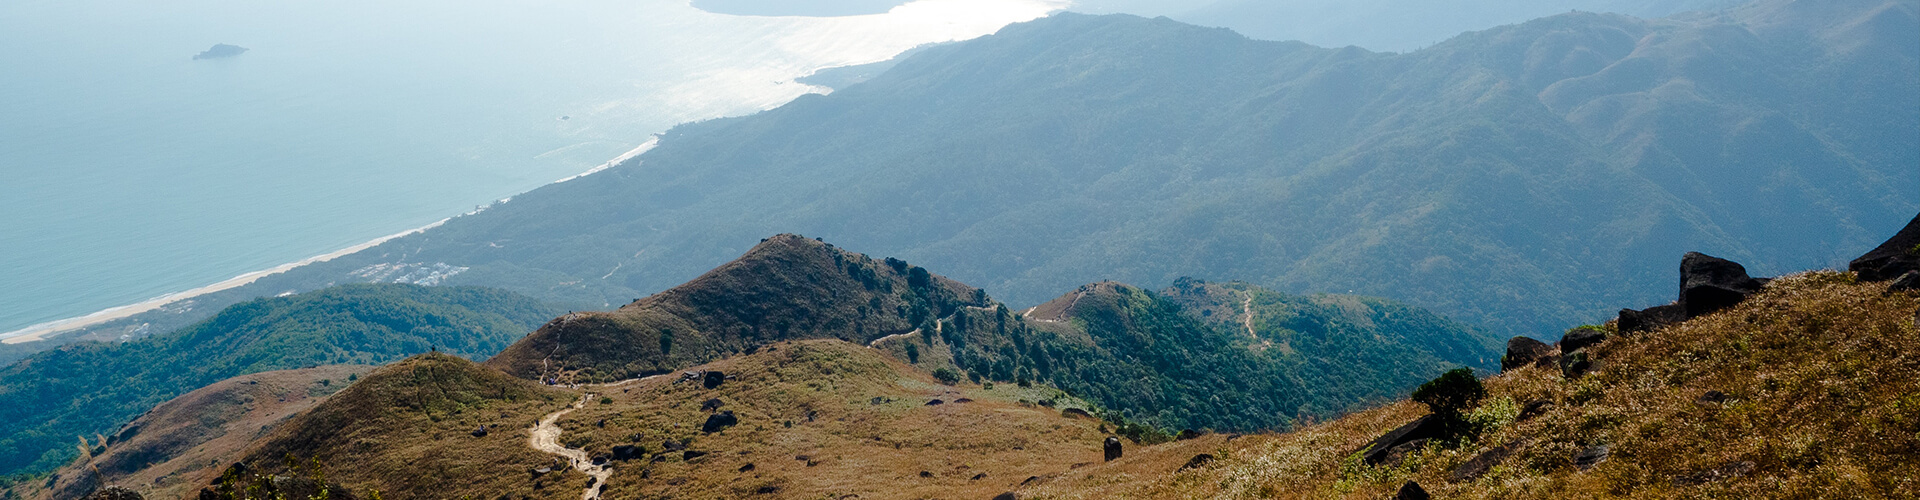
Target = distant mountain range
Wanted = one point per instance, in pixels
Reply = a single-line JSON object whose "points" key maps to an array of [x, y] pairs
{"points": [[1525, 178]]}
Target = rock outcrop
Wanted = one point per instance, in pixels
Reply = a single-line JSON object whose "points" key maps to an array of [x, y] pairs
{"points": [[1525, 351], [1427, 427], [1897, 256], [1709, 284], [1632, 321]]}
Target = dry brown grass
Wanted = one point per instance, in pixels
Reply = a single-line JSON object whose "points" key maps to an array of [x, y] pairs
{"points": [[852, 445], [180, 445], [1823, 385]]}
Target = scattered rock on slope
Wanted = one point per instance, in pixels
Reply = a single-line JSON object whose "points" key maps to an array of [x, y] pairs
{"points": [[718, 421]]}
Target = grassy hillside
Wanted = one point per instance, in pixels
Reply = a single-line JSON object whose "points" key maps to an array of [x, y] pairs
{"points": [[405, 430], [181, 445], [810, 427], [1146, 357], [786, 288], [92, 388], [1806, 390]]}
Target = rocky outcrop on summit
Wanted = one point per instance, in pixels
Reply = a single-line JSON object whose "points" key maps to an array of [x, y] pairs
{"points": [[1707, 284], [786, 288], [1898, 256]]}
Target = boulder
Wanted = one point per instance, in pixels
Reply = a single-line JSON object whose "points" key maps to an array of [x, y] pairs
{"points": [[1576, 365], [1478, 466], [1581, 338], [672, 445], [113, 493], [1591, 456], [1709, 284], [926, 474], [1005, 496], [1112, 447], [718, 421], [935, 402], [689, 455], [1198, 461], [1897, 256], [1427, 427], [480, 432], [1412, 491], [713, 379], [1523, 351], [628, 452], [1651, 318], [711, 405], [746, 468]]}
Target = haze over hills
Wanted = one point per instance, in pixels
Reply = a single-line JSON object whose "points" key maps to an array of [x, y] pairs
{"points": [[1522, 178], [90, 388]]}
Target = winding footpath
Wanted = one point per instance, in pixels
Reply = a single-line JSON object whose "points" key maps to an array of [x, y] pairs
{"points": [[546, 438]]}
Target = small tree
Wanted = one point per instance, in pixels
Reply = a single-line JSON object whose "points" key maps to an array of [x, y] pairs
{"points": [[946, 376], [1452, 393]]}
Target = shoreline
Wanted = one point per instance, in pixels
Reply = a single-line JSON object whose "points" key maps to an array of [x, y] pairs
{"points": [[40, 331]]}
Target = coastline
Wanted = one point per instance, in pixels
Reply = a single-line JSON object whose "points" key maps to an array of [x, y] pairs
{"points": [[42, 330]]}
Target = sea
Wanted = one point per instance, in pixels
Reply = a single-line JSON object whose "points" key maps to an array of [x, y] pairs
{"points": [[130, 170]]}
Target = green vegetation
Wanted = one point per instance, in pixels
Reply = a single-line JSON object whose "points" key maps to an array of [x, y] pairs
{"points": [[93, 387], [1160, 366], [1451, 394], [1805, 390]]}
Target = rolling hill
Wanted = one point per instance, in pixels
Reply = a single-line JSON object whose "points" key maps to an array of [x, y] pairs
{"points": [[90, 388], [1130, 350], [1523, 178]]}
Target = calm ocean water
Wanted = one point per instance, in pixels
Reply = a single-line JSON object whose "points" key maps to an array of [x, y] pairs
{"points": [[129, 170]]}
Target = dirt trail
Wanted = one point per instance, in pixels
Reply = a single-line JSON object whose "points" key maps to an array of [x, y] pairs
{"points": [[546, 439], [1246, 310]]}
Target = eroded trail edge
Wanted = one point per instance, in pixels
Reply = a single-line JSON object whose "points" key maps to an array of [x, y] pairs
{"points": [[546, 438]]}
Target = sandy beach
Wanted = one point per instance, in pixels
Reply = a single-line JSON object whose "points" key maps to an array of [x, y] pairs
{"points": [[40, 331]]}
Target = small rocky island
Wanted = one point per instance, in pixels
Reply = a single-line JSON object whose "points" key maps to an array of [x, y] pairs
{"points": [[221, 50]]}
